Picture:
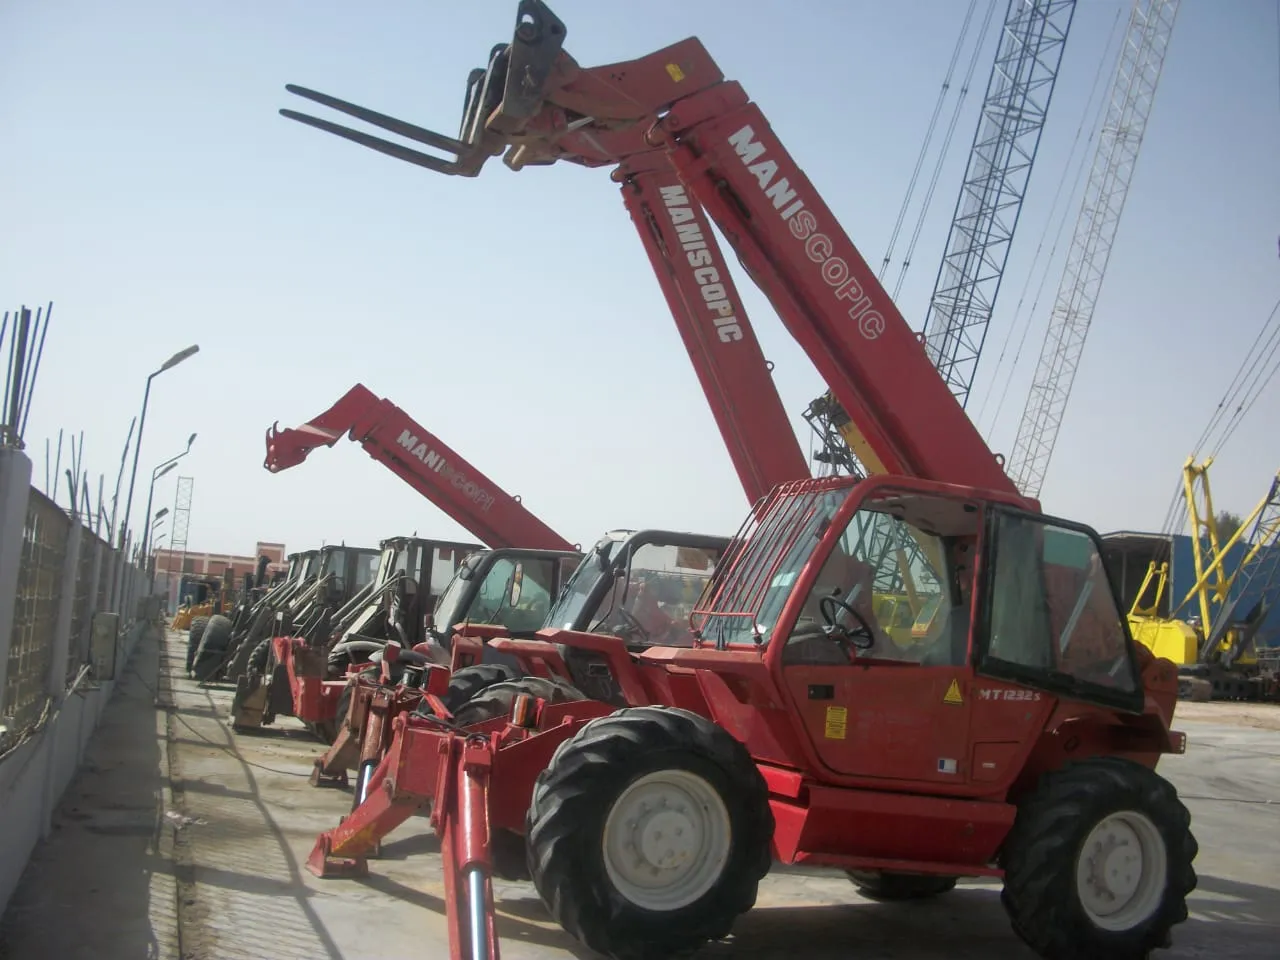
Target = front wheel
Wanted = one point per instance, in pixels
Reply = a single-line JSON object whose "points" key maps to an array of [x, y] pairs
{"points": [[649, 833], [1098, 863]]}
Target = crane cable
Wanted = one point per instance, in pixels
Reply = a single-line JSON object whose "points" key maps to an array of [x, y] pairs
{"points": [[1252, 377], [928, 137], [1248, 384], [942, 154], [1025, 322]]}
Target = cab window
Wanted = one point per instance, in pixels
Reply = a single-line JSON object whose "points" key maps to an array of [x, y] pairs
{"points": [[516, 594], [896, 587], [1052, 617]]}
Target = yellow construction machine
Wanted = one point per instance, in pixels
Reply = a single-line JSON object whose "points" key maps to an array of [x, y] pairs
{"points": [[1212, 646]]}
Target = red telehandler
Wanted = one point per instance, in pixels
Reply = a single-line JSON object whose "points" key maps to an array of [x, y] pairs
{"points": [[294, 677], [1017, 737], [423, 461]]}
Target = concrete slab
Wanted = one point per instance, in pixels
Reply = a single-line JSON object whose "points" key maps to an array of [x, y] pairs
{"points": [[251, 819]]}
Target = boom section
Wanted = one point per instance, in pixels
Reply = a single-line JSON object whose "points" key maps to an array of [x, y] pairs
{"points": [[423, 461], [735, 377], [534, 105]]}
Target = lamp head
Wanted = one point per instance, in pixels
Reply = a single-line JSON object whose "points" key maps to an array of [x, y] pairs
{"points": [[178, 357]]}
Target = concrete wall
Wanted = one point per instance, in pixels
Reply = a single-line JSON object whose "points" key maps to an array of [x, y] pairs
{"points": [[61, 653], [34, 777]]}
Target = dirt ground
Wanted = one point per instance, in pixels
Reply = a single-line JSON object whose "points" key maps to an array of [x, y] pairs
{"points": [[1260, 716]]}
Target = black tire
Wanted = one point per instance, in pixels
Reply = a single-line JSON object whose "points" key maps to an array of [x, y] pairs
{"points": [[1040, 857], [467, 682], [193, 639], [496, 700], [249, 658], [886, 885], [574, 796], [213, 648]]}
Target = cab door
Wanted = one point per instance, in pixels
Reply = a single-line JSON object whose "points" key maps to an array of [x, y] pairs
{"points": [[877, 701]]}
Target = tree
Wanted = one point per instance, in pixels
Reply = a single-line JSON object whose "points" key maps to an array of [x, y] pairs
{"points": [[1228, 523]]}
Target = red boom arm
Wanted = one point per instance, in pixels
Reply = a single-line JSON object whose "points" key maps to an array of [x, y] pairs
{"points": [[423, 461], [537, 105], [704, 301]]}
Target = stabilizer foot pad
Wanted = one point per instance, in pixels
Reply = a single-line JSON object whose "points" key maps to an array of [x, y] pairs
{"points": [[321, 779], [328, 867]]}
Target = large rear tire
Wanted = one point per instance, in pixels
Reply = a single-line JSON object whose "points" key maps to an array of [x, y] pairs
{"points": [[496, 700], [649, 833], [1099, 862], [247, 657], [193, 640], [469, 681], [213, 648]]}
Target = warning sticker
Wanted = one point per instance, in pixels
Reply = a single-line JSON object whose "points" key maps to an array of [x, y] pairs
{"points": [[953, 694], [837, 723]]}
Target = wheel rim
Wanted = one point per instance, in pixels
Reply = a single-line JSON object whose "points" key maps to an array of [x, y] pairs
{"points": [[1121, 871], [666, 840]]}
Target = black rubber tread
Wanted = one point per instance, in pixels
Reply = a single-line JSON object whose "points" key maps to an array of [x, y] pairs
{"points": [[496, 700], [572, 798], [1039, 859], [887, 885], [193, 639], [213, 648], [247, 657], [467, 682]]}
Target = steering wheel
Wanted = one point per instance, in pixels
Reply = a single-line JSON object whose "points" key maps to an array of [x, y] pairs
{"points": [[828, 606], [627, 619]]}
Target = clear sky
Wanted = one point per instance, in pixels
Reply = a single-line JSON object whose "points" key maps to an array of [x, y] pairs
{"points": [[153, 193]]}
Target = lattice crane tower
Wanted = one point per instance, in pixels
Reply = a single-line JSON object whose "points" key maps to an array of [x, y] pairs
{"points": [[1130, 100], [1005, 142], [181, 521], [995, 182]]}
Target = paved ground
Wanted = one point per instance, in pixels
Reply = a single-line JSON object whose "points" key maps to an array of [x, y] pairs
{"points": [[182, 840]]}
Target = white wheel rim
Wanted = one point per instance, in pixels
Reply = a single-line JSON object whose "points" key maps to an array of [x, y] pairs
{"points": [[1121, 871], [666, 840]]}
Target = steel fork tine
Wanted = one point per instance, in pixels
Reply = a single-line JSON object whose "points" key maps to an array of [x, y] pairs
{"points": [[409, 131], [377, 143]]}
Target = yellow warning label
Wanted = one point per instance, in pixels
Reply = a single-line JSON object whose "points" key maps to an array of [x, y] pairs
{"points": [[837, 725], [674, 72], [953, 694]]}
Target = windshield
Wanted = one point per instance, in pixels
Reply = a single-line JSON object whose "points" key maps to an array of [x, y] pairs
{"points": [[765, 566], [366, 568], [650, 605], [448, 608], [332, 563], [492, 601], [568, 608]]}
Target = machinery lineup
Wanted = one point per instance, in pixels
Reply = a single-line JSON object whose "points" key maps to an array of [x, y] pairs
{"points": [[911, 674]]}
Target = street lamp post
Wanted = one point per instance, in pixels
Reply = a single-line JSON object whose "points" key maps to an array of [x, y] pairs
{"points": [[155, 548], [156, 474], [173, 361]]}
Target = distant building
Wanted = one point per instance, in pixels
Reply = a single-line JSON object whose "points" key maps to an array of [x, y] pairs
{"points": [[170, 564]]}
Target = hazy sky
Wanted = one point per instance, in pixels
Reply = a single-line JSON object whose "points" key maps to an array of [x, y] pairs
{"points": [[153, 193]]}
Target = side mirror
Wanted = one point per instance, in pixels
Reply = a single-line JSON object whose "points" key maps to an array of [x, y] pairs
{"points": [[517, 577]]}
